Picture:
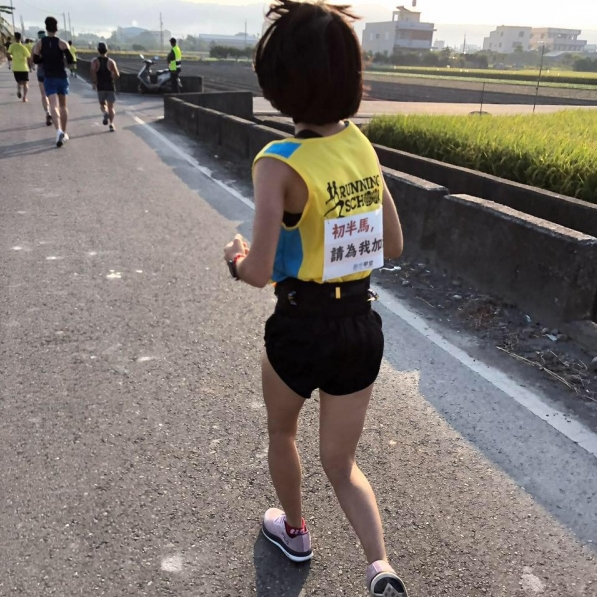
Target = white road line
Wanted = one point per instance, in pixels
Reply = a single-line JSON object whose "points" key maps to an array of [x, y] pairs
{"points": [[193, 162], [573, 430]]}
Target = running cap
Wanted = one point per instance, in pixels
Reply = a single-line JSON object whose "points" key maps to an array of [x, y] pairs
{"points": [[102, 48]]}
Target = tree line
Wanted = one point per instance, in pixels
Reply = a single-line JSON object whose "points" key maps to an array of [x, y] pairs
{"points": [[480, 60]]}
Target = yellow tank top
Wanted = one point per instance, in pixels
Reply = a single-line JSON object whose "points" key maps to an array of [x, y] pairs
{"points": [[339, 237]]}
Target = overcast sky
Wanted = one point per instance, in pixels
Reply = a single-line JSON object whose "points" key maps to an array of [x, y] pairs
{"points": [[182, 17]]}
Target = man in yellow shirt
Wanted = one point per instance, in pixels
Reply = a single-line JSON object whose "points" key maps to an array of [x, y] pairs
{"points": [[73, 66], [21, 64]]}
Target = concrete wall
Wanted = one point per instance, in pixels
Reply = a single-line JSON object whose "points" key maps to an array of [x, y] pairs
{"points": [[565, 211], [241, 137], [547, 269], [235, 103]]}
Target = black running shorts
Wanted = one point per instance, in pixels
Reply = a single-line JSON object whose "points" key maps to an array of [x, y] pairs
{"points": [[340, 356], [21, 77]]}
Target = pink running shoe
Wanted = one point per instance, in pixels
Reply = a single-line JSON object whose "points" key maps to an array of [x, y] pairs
{"points": [[297, 549], [382, 581]]}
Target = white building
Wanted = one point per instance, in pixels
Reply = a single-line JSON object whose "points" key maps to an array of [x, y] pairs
{"points": [[506, 39], [404, 32], [557, 40]]}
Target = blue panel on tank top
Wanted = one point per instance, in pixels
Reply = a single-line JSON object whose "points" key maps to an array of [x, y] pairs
{"points": [[289, 255], [284, 149]]}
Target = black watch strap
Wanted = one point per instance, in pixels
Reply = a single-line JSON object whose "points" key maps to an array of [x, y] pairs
{"points": [[233, 269]]}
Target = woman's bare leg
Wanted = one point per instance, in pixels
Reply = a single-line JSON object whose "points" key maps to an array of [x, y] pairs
{"points": [[283, 409], [341, 424]]}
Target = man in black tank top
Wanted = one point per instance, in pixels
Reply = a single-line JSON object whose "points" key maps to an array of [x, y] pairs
{"points": [[52, 52], [104, 71]]}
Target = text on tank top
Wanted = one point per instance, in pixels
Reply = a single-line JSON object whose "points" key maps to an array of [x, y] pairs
{"points": [[105, 80], [339, 235], [53, 58]]}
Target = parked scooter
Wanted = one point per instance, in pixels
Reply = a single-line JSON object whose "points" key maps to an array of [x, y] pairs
{"points": [[150, 82]]}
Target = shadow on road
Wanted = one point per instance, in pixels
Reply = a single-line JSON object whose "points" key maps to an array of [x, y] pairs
{"points": [[37, 147], [26, 149], [275, 576], [18, 130]]}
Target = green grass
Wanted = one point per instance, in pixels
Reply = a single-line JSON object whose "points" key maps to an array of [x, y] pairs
{"points": [[528, 72], [556, 152], [557, 76], [464, 78]]}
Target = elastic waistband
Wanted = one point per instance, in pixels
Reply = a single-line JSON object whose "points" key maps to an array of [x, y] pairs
{"points": [[304, 299]]}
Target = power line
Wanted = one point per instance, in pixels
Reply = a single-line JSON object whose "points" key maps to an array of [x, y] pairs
{"points": [[37, 7]]}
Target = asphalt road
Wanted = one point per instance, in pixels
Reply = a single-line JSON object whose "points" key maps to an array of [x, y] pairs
{"points": [[132, 436]]}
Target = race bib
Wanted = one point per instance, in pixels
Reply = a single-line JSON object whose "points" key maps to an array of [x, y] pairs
{"points": [[353, 244]]}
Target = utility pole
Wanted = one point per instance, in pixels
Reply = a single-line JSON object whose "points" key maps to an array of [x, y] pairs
{"points": [[64, 18], [464, 45], [161, 33], [12, 12], [70, 27], [245, 34], [22, 26], [539, 78]]}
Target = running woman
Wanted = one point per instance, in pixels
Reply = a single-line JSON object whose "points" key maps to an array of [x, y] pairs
{"points": [[104, 71], [21, 65], [51, 52], [45, 104], [324, 219]]}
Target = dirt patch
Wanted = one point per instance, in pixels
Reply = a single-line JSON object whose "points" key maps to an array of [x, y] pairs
{"points": [[498, 325], [410, 89]]}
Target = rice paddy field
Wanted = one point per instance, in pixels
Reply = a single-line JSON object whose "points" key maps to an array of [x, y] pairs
{"points": [[556, 152], [549, 76]]}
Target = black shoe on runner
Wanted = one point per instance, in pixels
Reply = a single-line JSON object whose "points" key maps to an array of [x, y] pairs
{"points": [[106, 119], [48, 120], [19, 94]]}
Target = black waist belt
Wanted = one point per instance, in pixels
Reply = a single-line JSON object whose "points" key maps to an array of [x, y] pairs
{"points": [[299, 298]]}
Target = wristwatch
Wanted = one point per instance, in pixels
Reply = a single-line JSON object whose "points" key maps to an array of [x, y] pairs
{"points": [[233, 268]]}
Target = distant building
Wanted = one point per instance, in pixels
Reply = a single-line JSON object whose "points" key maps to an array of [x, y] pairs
{"points": [[31, 32], [506, 40], [127, 34], [404, 32], [470, 48], [439, 44], [240, 40], [557, 40], [590, 49]]}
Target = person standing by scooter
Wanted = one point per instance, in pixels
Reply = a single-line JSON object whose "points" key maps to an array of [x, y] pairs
{"points": [[175, 65], [73, 66], [104, 71]]}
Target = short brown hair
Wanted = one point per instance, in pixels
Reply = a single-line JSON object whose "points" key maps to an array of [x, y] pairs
{"points": [[309, 62]]}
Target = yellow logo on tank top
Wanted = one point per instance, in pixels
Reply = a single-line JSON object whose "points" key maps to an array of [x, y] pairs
{"points": [[354, 195]]}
